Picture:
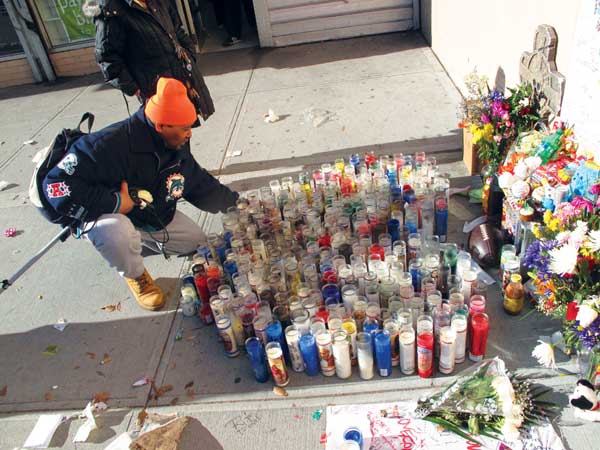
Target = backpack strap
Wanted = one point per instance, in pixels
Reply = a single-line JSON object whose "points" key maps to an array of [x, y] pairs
{"points": [[90, 121]]}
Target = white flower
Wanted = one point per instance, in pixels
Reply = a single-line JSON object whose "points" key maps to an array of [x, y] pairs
{"points": [[506, 179], [544, 353], [563, 260], [563, 236], [524, 101], [510, 431], [578, 235], [593, 243], [586, 315]]}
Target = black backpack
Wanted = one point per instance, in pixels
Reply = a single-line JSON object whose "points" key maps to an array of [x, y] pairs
{"points": [[48, 158]]}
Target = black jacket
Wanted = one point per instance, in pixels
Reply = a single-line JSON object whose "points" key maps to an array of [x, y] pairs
{"points": [[86, 183], [135, 47]]}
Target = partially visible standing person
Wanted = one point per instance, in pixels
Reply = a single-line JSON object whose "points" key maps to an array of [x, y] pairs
{"points": [[139, 41], [233, 19]]}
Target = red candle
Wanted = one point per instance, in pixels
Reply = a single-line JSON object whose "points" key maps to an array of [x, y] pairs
{"points": [[425, 355], [330, 277], [201, 282], [370, 158], [324, 240], [323, 313], [480, 327], [377, 249]]}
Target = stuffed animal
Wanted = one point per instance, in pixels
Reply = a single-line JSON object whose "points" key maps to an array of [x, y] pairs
{"points": [[585, 401]]}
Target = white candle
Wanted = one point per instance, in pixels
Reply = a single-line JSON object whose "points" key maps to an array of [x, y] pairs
{"points": [[459, 325], [407, 350], [365, 356], [447, 349], [292, 336], [341, 355]]}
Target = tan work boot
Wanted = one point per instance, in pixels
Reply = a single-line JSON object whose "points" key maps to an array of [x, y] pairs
{"points": [[147, 294]]}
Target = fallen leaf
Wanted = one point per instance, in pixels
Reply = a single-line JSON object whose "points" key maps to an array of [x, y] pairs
{"points": [[141, 418], [189, 385], [191, 393], [48, 396], [100, 373], [111, 308], [163, 390], [101, 397], [106, 359], [280, 391], [91, 355], [174, 401], [51, 350], [3, 391]]}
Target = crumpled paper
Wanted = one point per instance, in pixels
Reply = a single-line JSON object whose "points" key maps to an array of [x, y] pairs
{"points": [[84, 431], [271, 117]]}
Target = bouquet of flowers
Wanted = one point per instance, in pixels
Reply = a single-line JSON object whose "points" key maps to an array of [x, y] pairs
{"points": [[491, 402], [495, 120], [564, 265]]}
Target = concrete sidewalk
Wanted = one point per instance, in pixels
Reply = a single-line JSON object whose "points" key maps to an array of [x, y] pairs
{"points": [[385, 93]]}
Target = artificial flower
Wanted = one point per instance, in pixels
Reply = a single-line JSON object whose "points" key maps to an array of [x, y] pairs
{"points": [[577, 237], [586, 315], [544, 353], [572, 310], [595, 189], [563, 260]]}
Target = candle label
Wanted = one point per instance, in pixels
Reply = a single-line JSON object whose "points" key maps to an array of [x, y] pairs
{"points": [[326, 357], [447, 353], [296, 357], [425, 359], [229, 343], [280, 375], [461, 345]]}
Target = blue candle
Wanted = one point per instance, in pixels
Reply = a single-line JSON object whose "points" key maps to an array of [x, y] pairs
{"points": [[331, 290], [371, 326], [310, 354], [383, 353], [394, 229], [275, 334], [258, 359]]}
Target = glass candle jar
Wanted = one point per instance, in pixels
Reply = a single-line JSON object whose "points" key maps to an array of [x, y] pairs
{"points": [[341, 355], [459, 325], [480, 327], [365, 355], [447, 350], [425, 346], [277, 364]]}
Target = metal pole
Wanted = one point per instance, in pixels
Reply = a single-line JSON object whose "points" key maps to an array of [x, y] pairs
{"points": [[8, 282]]}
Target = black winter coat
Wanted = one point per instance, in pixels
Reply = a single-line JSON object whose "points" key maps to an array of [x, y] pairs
{"points": [[86, 183], [134, 47]]}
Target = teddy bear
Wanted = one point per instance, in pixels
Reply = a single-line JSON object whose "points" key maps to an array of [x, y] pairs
{"points": [[585, 401]]}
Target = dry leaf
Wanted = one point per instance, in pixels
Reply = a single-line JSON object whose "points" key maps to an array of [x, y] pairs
{"points": [[101, 397], [141, 418], [111, 308], [189, 385], [191, 393], [163, 390], [174, 401], [106, 359], [280, 391], [91, 355], [48, 396], [3, 391]]}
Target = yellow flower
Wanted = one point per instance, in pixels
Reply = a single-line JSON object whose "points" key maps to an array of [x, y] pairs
{"points": [[537, 232], [488, 131], [547, 216], [554, 225]]}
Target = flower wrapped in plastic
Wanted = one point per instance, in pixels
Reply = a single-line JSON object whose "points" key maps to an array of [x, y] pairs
{"points": [[489, 402]]}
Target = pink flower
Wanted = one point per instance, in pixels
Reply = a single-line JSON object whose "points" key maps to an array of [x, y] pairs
{"points": [[484, 118], [508, 123], [497, 138], [595, 189], [581, 203], [505, 117]]}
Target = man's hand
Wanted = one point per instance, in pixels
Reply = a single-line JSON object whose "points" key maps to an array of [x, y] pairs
{"points": [[127, 204]]}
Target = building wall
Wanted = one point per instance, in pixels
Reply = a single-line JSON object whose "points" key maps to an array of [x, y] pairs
{"points": [[491, 35], [72, 63], [15, 72]]}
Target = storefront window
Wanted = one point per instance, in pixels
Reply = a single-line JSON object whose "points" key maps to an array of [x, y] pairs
{"points": [[9, 42], [65, 22]]}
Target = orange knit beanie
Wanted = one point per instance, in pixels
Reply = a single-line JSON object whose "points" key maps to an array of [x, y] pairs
{"points": [[171, 105]]}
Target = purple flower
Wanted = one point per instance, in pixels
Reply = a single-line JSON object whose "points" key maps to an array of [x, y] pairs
{"points": [[496, 96], [536, 257], [590, 336]]}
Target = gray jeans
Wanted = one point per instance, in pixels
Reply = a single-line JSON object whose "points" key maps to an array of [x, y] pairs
{"points": [[120, 242]]}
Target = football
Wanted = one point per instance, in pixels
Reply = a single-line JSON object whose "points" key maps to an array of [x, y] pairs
{"points": [[483, 245]]}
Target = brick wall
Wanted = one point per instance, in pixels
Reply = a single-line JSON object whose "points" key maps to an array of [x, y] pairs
{"points": [[72, 63], [15, 72]]}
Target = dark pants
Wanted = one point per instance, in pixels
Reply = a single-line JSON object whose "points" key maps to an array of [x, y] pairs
{"points": [[233, 16], [219, 7]]}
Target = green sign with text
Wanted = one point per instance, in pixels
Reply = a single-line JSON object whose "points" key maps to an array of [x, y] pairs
{"points": [[77, 25]]}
